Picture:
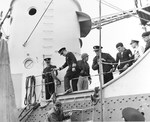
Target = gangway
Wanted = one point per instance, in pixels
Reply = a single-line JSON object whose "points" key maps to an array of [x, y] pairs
{"points": [[112, 18], [141, 13]]}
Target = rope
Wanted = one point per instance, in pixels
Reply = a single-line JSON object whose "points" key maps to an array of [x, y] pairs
{"points": [[83, 76], [35, 106], [80, 109], [120, 62], [86, 76], [55, 77], [30, 93], [2, 22]]}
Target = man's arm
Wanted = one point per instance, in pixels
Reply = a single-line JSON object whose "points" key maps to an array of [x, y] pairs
{"points": [[141, 50], [130, 57], [95, 65], [130, 53], [117, 60], [43, 74], [67, 116], [72, 58], [52, 118], [63, 66], [147, 46], [72, 61], [89, 75], [55, 70], [110, 59]]}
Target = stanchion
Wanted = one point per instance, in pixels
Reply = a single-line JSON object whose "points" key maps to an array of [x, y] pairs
{"points": [[100, 65]]}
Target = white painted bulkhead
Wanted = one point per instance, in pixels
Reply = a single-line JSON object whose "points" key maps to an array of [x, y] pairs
{"points": [[59, 27], [135, 80]]}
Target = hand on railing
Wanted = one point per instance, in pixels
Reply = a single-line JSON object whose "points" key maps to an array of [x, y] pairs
{"points": [[60, 68]]}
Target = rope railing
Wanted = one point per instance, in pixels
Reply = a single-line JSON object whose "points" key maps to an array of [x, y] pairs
{"points": [[116, 71], [102, 63], [78, 77], [123, 62]]}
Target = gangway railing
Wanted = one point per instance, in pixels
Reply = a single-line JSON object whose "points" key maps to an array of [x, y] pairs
{"points": [[143, 14], [112, 18]]}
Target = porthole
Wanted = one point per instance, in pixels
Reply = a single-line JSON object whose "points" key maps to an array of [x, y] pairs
{"points": [[28, 63], [32, 11]]}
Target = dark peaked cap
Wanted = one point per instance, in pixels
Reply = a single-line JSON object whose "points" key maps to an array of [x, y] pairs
{"points": [[146, 34], [95, 48], [131, 114], [61, 50], [47, 59], [134, 41]]}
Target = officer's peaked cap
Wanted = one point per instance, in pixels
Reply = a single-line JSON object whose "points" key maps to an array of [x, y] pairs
{"points": [[134, 41], [146, 34], [47, 59], [96, 48], [61, 50]]}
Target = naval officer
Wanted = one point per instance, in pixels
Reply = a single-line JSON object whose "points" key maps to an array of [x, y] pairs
{"points": [[48, 77], [71, 73], [124, 57], [146, 37], [138, 50], [107, 59]]}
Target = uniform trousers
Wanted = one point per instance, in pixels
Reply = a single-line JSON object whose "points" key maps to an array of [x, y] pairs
{"points": [[108, 77], [49, 89], [71, 84]]}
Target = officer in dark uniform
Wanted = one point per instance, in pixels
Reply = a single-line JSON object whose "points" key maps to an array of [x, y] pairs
{"points": [[124, 56], [48, 76], [1, 35], [131, 114], [146, 37], [71, 73], [107, 68]]}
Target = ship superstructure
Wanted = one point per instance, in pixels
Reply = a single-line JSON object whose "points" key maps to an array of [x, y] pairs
{"points": [[36, 36]]}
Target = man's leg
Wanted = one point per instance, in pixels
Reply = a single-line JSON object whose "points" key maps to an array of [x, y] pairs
{"points": [[79, 83], [66, 82], [47, 91], [74, 84], [52, 88], [85, 83], [75, 78]]}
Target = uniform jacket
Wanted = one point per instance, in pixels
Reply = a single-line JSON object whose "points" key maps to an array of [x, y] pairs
{"points": [[54, 116], [147, 46], [48, 76], [138, 52], [70, 60], [126, 55], [84, 69], [106, 67]]}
